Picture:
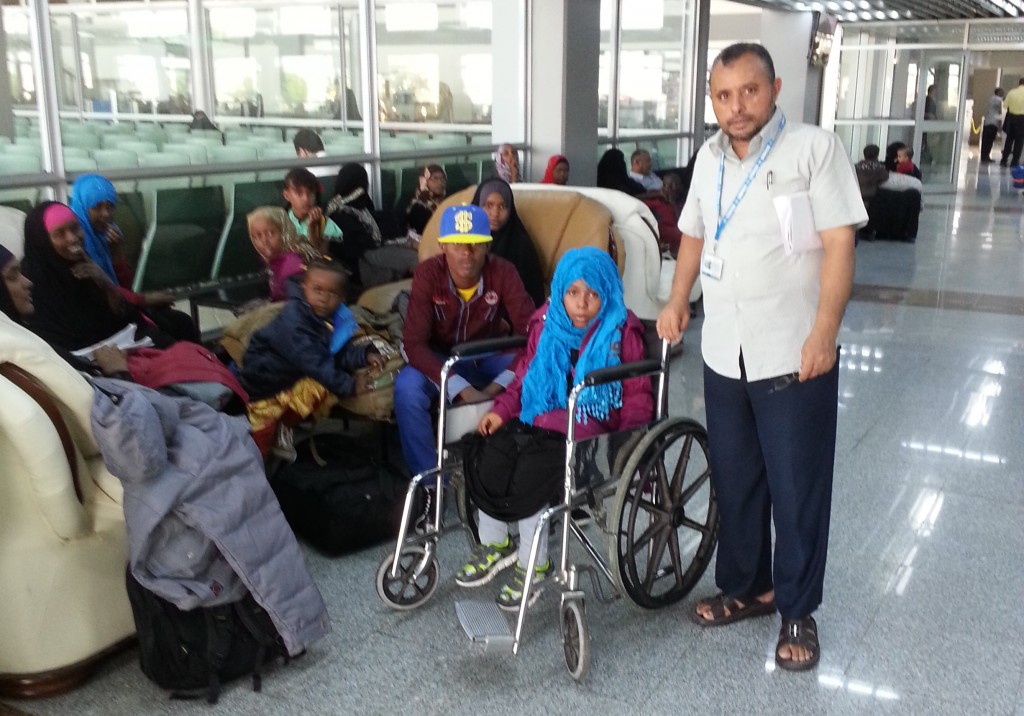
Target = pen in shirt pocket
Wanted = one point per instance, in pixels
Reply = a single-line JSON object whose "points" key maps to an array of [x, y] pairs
{"points": [[769, 181]]}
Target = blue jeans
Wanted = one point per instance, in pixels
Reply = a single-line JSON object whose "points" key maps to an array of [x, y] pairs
{"points": [[415, 395]]}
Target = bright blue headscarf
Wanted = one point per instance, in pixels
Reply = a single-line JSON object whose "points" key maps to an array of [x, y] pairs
{"points": [[544, 386], [88, 191]]}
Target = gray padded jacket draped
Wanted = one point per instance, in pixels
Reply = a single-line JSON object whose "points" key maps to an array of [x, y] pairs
{"points": [[203, 524]]}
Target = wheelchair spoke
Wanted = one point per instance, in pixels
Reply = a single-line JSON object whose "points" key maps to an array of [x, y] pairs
{"points": [[654, 558], [694, 525], [697, 484], [679, 474]]}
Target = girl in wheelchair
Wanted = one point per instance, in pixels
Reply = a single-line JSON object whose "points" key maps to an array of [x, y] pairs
{"points": [[583, 327]]}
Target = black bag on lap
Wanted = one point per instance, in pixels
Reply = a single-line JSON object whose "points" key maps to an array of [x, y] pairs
{"points": [[191, 653], [516, 472], [351, 502]]}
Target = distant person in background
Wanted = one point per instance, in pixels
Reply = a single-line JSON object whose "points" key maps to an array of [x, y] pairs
{"points": [[94, 200], [506, 164], [302, 192], [308, 143], [352, 210], [510, 239], [557, 171], [201, 121], [990, 125], [612, 174], [666, 206], [641, 172], [891, 155], [905, 163], [870, 173], [431, 191], [1013, 125]]}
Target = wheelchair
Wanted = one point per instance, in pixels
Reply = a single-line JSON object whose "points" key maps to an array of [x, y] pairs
{"points": [[656, 507]]}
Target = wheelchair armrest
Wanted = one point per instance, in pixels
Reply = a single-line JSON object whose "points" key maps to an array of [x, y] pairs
{"points": [[478, 349], [625, 371]]}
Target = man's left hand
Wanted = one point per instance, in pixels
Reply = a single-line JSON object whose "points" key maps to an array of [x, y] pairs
{"points": [[817, 356]]}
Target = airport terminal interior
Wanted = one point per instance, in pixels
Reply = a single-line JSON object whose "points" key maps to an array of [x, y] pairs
{"points": [[921, 611]]}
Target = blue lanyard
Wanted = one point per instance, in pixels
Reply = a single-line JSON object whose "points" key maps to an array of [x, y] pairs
{"points": [[723, 220]]}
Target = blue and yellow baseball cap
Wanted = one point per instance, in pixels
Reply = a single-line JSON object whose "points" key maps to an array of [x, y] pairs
{"points": [[466, 224]]}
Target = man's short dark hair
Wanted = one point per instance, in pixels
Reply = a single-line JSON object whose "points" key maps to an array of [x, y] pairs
{"points": [[735, 51], [309, 140], [637, 153], [999, 91], [871, 151], [1020, 81]]}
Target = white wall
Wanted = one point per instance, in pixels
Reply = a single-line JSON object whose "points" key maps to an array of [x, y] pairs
{"points": [[787, 36]]}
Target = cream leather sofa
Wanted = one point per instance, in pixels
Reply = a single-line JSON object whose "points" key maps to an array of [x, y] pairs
{"points": [[62, 533], [562, 218]]}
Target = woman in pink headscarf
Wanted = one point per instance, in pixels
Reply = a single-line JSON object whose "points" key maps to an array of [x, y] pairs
{"points": [[506, 164]]}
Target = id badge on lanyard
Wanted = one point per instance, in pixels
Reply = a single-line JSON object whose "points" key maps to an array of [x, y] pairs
{"points": [[711, 264]]}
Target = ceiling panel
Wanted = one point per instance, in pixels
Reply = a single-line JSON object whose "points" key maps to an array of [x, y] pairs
{"points": [[874, 10]]}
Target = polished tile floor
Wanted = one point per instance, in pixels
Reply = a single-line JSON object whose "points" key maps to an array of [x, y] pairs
{"points": [[922, 611]]}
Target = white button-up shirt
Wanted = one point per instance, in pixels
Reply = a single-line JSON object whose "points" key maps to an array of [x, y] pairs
{"points": [[766, 301]]}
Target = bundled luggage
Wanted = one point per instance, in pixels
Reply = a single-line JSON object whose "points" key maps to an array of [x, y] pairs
{"points": [[343, 502]]}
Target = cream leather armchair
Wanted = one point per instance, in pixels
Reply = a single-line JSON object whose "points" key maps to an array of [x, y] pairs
{"points": [[62, 535]]}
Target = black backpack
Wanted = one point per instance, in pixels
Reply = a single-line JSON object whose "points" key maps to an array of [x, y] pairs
{"points": [[351, 502], [514, 472], [191, 653]]}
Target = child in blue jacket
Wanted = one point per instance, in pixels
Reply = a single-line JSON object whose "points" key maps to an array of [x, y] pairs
{"points": [[298, 365]]}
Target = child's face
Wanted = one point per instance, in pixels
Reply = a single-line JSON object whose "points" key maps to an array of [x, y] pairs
{"points": [[322, 290], [437, 183], [581, 303], [497, 210], [902, 156], [301, 200], [266, 238]]}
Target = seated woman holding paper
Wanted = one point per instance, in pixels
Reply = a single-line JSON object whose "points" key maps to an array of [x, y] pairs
{"points": [[16, 304], [77, 308]]}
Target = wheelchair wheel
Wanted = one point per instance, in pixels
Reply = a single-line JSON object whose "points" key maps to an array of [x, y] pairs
{"points": [[575, 637], [408, 590], [665, 516]]}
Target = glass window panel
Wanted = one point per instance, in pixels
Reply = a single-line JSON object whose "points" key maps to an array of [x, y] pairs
{"points": [[651, 63], [20, 137], [133, 61], [878, 83], [437, 63], [279, 62]]}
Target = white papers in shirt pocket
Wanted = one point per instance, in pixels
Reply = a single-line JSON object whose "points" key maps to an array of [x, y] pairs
{"points": [[797, 221]]}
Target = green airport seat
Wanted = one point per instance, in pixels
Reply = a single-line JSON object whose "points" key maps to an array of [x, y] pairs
{"points": [[182, 240], [130, 217]]}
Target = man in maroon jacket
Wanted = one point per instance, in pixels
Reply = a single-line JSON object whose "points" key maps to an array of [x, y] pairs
{"points": [[465, 294]]}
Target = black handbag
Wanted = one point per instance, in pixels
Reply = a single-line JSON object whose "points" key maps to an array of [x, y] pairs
{"points": [[515, 472]]}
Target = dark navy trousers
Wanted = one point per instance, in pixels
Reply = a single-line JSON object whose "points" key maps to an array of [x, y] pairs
{"points": [[772, 452]]}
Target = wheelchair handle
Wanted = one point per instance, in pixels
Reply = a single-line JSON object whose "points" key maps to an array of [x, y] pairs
{"points": [[624, 371], [487, 346]]}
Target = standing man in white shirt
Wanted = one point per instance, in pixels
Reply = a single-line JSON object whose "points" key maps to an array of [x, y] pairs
{"points": [[640, 170], [769, 226], [990, 125]]}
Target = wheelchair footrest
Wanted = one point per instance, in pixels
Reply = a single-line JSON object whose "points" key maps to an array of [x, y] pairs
{"points": [[486, 626]]}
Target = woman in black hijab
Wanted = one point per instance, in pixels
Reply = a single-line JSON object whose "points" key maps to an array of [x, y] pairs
{"points": [[352, 210], [612, 174], [510, 238], [16, 303], [76, 303]]}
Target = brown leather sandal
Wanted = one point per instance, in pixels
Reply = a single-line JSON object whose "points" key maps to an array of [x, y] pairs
{"points": [[799, 632], [727, 610]]}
